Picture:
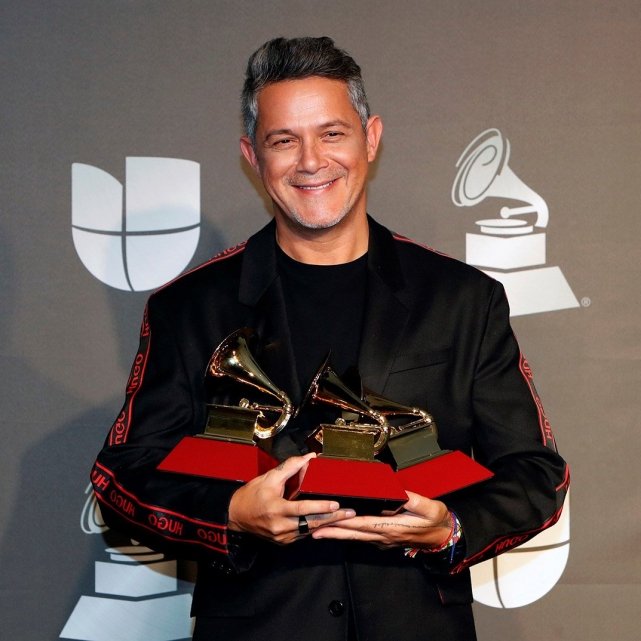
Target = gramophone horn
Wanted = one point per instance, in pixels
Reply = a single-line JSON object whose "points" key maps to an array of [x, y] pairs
{"points": [[484, 171], [233, 359], [391, 410], [327, 388]]}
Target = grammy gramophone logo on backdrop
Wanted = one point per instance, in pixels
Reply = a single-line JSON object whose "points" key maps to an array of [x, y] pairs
{"points": [[139, 236], [136, 593], [512, 247]]}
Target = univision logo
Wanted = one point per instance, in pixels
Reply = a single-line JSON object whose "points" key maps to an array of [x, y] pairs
{"points": [[138, 238]]}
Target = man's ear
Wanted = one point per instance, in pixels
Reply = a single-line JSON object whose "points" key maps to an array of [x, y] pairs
{"points": [[373, 135], [247, 150]]}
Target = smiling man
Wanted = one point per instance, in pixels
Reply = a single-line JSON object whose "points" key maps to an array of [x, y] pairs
{"points": [[423, 329], [312, 151]]}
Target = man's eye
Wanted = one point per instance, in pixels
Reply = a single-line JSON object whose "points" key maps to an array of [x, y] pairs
{"points": [[333, 135], [282, 142]]}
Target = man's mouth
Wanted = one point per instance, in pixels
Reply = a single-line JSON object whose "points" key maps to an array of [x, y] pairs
{"points": [[315, 187]]}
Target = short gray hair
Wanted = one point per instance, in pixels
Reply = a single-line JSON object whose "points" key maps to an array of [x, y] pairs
{"points": [[296, 58]]}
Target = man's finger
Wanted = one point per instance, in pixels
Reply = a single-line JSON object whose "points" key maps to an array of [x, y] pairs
{"points": [[416, 503], [305, 507], [323, 519], [338, 533], [433, 510], [287, 468]]}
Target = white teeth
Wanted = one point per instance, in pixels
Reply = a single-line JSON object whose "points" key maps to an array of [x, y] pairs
{"points": [[316, 187]]}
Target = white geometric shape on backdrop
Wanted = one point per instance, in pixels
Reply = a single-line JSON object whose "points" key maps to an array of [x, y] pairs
{"points": [[525, 574], [533, 291], [164, 618], [150, 240]]}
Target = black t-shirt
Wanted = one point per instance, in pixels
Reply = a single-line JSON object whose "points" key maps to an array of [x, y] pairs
{"points": [[325, 308]]}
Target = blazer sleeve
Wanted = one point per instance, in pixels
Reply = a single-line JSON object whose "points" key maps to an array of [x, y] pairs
{"points": [[181, 515], [512, 437]]}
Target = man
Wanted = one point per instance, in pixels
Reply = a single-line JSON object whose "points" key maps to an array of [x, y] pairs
{"points": [[424, 330]]}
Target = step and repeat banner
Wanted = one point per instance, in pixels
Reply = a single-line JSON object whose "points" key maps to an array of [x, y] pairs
{"points": [[512, 142]]}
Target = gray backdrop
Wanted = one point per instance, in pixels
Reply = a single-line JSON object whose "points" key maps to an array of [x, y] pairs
{"points": [[97, 81]]}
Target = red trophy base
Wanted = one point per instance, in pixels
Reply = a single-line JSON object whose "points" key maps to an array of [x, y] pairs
{"points": [[443, 474], [211, 458], [368, 487]]}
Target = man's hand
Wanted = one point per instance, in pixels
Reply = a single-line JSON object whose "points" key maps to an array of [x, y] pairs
{"points": [[425, 523], [258, 507]]}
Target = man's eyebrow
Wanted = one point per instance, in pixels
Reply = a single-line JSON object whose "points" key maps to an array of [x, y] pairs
{"points": [[278, 132], [290, 132], [336, 123]]}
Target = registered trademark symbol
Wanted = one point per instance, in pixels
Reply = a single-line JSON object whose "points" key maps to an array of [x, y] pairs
{"points": [[586, 301]]}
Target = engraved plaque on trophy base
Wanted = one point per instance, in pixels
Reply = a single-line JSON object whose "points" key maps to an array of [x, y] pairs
{"points": [[347, 471]]}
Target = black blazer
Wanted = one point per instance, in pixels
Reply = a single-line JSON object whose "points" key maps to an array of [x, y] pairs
{"points": [[437, 336]]}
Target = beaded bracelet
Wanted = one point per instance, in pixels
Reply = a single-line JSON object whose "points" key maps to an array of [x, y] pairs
{"points": [[453, 538]]}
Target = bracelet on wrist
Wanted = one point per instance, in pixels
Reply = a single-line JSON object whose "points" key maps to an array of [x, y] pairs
{"points": [[453, 538]]}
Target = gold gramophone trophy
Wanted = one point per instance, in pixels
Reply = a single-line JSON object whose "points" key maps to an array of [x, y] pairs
{"points": [[346, 468], [234, 442], [414, 452]]}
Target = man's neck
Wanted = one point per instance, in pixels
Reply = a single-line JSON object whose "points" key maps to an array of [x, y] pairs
{"points": [[336, 245]]}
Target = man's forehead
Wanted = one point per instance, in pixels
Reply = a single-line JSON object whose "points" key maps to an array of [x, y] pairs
{"points": [[318, 83], [299, 97]]}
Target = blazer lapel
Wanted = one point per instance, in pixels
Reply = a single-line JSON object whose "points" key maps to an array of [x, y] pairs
{"points": [[261, 289], [386, 315]]}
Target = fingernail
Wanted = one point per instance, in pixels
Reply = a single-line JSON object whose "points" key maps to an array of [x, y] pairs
{"points": [[333, 506], [350, 514]]}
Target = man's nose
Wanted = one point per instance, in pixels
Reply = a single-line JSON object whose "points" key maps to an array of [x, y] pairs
{"points": [[311, 157]]}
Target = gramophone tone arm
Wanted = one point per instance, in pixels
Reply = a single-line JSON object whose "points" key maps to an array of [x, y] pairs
{"points": [[286, 411], [383, 435]]}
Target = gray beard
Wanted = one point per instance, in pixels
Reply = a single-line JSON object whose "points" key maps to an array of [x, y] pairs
{"points": [[318, 225]]}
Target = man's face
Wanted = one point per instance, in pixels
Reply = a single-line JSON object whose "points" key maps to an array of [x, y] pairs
{"points": [[311, 152]]}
